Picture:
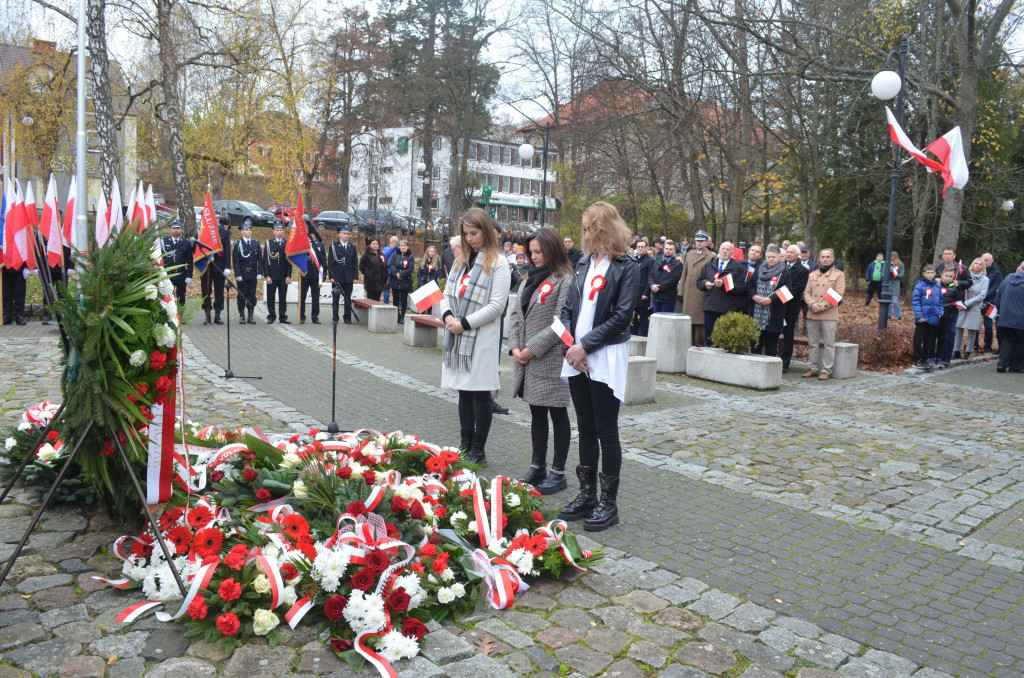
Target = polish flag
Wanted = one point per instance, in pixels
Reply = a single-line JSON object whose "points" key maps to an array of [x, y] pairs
{"points": [[991, 311], [31, 209], [17, 231], [102, 225], [426, 296], [69, 216], [50, 226], [728, 283], [132, 198], [115, 215], [150, 206], [833, 297], [949, 148], [784, 294], [558, 328], [900, 138], [960, 305], [137, 214]]}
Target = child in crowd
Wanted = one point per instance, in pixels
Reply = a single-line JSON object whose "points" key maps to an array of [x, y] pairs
{"points": [[927, 301], [951, 294]]}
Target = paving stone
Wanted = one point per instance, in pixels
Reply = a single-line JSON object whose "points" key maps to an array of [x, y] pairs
{"points": [[890, 662], [676, 594], [535, 601], [758, 671], [608, 640], [654, 579], [295, 637], [583, 659], [320, 661], [779, 639], [647, 653], [83, 667], [165, 643], [749, 617], [822, 655], [18, 617], [88, 585], [574, 619], [659, 635], [443, 647], [691, 584], [258, 661], [86, 546], [858, 668], [505, 633], [707, 657], [107, 598], [579, 596], [17, 635], [53, 543], [44, 659], [641, 602], [724, 636], [79, 632], [606, 586], [524, 621], [74, 566], [56, 598], [618, 617], [476, 636], [54, 618], [417, 667], [478, 666], [12, 603], [928, 672], [209, 651], [69, 522], [519, 663], [807, 672], [557, 636], [546, 586], [679, 618], [133, 667], [766, 656], [186, 666], [802, 628], [850, 647], [33, 584], [715, 604], [542, 659], [682, 671]]}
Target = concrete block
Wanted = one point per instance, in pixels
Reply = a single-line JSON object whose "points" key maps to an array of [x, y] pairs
{"points": [[746, 370], [641, 378], [668, 341], [845, 366], [382, 319], [419, 335], [638, 346]]}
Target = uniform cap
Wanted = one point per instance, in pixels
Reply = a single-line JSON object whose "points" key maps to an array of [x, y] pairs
{"points": [[701, 235]]}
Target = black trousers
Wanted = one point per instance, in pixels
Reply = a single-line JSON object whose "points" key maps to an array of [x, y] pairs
{"points": [[767, 344], [346, 291], [179, 289], [373, 294], [874, 287], [710, 318], [792, 315], [988, 332], [475, 414], [945, 335], [1011, 348], [246, 297], [278, 291], [597, 418], [924, 342], [14, 292], [306, 285], [539, 434], [213, 277], [641, 321]]}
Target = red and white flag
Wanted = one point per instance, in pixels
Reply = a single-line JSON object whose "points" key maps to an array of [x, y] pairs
{"points": [[31, 208], [784, 294], [132, 200], [69, 218], [991, 311], [17, 231], [728, 283], [833, 297], [115, 215], [50, 226], [564, 334], [150, 206], [102, 225], [160, 466], [949, 148], [960, 305], [137, 209], [426, 296]]}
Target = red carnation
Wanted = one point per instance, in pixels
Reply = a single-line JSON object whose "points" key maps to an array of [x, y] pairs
{"points": [[341, 645], [377, 561], [146, 414], [216, 476], [173, 353], [157, 360], [428, 550], [440, 563], [294, 438], [398, 504], [262, 495], [416, 510], [143, 546], [537, 516], [228, 624], [248, 455], [181, 537], [52, 436], [208, 542], [335, 607], [249, 475], [398, 600], [229, 590], [440, 511], [141, 388], [414, 628], [343, 472], [289, 572], [235, 558], [356, 508], [163, 385], [197, 608], [314, 432], [369, 477], [363, 579]]}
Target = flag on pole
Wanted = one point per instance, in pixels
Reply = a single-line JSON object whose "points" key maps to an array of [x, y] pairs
{"points": [[17, 232], [3, 219], [991, 311], [131, 205], [69, 218], [960, 306], [784, 294], [426, 296], [728, 283], [297, 248], [208, 235], [558, 328], [900, 138], [833, 297], [949, 148], [102, 225], [115, 215], [31, 209], [150, 206], [137, 212], [50, 226]]}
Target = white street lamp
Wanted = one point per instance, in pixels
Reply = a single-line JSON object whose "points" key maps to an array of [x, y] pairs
{"points": [[526, 152], [1008, 206], [421, 167], [886, 85], [27, 121]]}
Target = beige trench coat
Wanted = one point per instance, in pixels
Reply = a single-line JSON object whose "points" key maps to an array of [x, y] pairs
{"points": [[692, 297]]}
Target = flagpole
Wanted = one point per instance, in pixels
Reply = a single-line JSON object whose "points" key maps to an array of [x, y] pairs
{"points": [[885, 301], [81, 219]]}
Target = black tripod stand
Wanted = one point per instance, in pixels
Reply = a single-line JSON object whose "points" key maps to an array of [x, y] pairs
{"points": [[228, 286]]}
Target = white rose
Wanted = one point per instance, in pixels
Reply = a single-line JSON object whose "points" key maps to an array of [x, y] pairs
{"points": [[289, 596], [299, 489], [322, 436], [261, 584], [137, 358], [47, 453], [152, 292], [263, 622], [291, 459], [10, 443]]}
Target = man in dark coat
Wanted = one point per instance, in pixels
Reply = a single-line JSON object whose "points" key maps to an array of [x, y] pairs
{"points": [[642, 312], [1010, 323], [342, 270], [310, 281], [177, 251], [573, 252], [995, 279], [247, 263], [217, 267], [755, 259], [664, 279], [277, 271], [714, 281], [450, 254], [963, 283], [799, 275]]}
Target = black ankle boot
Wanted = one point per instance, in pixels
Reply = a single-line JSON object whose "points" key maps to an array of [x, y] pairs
{"points": [[476, 453], [401, 317], [554, 483], [606, 513], [465, 441], [535, 475], [586, 500], [216, 319]]}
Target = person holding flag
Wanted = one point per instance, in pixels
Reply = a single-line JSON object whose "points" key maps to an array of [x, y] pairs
{"points": [[400, 267], [826, 286], [277, 270], [770, 291], [211, 260], [723, 282], [314, 275], [342, 271]]}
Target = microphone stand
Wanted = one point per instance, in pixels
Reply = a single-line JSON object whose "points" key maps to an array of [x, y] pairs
{"points": [[228, 285], [333, 427]]}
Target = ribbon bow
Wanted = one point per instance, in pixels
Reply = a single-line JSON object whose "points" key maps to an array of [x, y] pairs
{"points": [[596, 285], [544, 291], [554, 532], [490, 528], [500, 577]]}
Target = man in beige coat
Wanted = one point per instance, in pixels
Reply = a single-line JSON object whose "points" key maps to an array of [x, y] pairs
{"points": [[692, 297], [823, 314]]}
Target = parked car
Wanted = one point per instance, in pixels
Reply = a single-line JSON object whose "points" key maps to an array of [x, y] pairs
{"points": [[241, 212], [331, 220], [383, 221]]}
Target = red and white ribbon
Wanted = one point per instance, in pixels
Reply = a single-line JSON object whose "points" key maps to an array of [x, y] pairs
{"points": [[543, 291], [553, 532], [596, 285], [298, 611], [135, 611], [500, 577], [385, 669], [200, 581], [463, 284], [274, 575]]}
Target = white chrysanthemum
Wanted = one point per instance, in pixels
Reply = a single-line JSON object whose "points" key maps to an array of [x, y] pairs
{"points": [[137, 358], [164, 336], [365, 612], [395, 646], [447, 575], [458, 515], [166, 287], [522, 560], [168, 585], [472, 527], [150, 588], [10, 443], [458, 589], [322, 436], [263, 622], [513, 500], [24, 426], [152, 292], [445, 595]]}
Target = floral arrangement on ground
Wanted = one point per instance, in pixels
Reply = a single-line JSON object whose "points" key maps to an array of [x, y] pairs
{"points": [[369, 536]]}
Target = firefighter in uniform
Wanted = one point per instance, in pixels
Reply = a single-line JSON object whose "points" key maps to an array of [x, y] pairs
{"points": [[342, 270], [278, 272], [177, 251], [246, 262], [218, 266]]}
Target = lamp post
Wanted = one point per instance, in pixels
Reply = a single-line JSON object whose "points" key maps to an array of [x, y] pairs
{"points": [[886, 85], [526, 152], [426, 196]]}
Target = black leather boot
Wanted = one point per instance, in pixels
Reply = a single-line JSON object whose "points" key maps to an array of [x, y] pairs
{"points": [[216, 319], [586, 500], [554, 483], [535, 474], [606, 513], [466, 441], [477, 454]]}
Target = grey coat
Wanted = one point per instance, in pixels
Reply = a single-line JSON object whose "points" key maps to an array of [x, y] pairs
{"points": [[539, 379], [973, 296], [896, 282]]}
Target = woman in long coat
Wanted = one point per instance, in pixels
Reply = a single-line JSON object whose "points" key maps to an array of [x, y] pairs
{"points": [[970, 319], [538, 355], [374, 268]]}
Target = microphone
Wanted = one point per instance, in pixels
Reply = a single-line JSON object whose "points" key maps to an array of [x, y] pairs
{"points": [[200, 245]]}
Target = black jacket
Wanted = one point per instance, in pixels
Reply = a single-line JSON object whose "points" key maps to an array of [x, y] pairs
{"points": [[995, 279], [645, 265], [949, 296], [667, 274], [574, 255], [778, 309], [751, 282], [717, 300], [428, 272], [374, 269], [447, 260], [275, 262], [176, 255], [342, 262], [401, 268], [246, 259], [312, 272], [615, 303], [799, 275]]}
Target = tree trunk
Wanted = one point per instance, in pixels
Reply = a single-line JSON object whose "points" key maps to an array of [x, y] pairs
{"points": [[102, 97], [172, 116]]}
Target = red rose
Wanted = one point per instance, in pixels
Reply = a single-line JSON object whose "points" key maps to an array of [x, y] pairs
{"points": [[416, 510], [398, 600], [428, 550], [249, 475], [369, 477], [197, 608], [235, 558], [363, 579], [341, 645], [392, 531], [377, 561], [262, 495], [435, 537], [228, 624], [289, 572], [229, 590], [248, 455], [414, 628], [157, 360], [163, 385], [335, 607], [356, 508], [343, 472], [216, 476], [398, 504]]}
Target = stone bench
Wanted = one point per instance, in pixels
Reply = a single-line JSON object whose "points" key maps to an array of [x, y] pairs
{"points": [[362, 315], [382, 319], [668, 341], [638, 346], [421, 330], [641, 379], [845, 366]]}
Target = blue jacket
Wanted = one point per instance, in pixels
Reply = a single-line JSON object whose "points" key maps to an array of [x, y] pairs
{"points": [[871, 269], [928, 306], [1010, 302]]}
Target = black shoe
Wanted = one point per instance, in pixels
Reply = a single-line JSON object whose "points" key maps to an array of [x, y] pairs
{"points": [[217, 320], [967, 356], [251, 321], [476, 454], [49, 321], [553, 484], [20, 320], [316, 321], [586, 500], [302, 321], [956, 355], [606, 513], [534, 475], [241, 321], [785, 370], [7, 320], [285, 321], [1016, 370], [1000, 369], [498, 409], [270, 321], [336, 319], [347, 321], [465, 441]]}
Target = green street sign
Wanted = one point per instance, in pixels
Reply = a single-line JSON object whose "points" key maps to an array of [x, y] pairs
{"points": [[485, 201], [486, 190], [493, 212], [403, 144]]}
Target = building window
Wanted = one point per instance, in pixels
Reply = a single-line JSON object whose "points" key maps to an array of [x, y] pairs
{"points": [[503, 213], [505, 184], [472, 151], [435, 172], [433, 203], [515, 185], [508, 156]]}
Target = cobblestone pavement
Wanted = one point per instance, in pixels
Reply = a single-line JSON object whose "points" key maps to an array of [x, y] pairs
{"points": [[865, 509]]}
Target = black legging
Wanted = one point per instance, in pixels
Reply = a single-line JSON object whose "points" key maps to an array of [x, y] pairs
{"points": [[597, 417], [475, 413], [400, 298], [563, 432]]}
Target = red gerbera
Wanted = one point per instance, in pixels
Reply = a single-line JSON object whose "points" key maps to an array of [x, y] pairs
{"points": [[536, 545], [229, 590], [208, 542], [436, 465], [181, 537], [143, 546], [199, 517], [449, 456], [197, 608], [295, 526], [170, 518], [228, 624]]}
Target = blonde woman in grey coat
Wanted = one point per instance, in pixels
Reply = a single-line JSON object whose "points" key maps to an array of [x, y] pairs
{"points": [[538, 354], [970, 319]]}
